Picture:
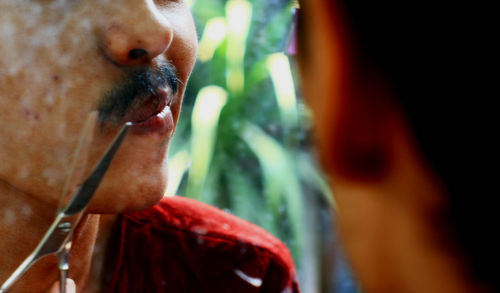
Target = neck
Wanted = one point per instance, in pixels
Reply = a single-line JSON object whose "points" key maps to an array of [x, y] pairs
{"points": [[23, 221]]}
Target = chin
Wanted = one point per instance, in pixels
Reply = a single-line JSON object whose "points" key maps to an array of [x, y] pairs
{"points": [[136, 180], [137, 177], [127, 195]]}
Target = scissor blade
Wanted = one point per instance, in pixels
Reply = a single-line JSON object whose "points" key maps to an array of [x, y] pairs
{"points": [[86, 191]]}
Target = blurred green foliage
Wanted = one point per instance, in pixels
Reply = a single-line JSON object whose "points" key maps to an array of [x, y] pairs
{"points": [[242, 142]]}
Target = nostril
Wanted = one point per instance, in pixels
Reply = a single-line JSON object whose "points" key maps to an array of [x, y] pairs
{"points": [[135, 54]]}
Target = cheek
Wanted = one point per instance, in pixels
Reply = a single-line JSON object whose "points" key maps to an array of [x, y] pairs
{"points": [[44, 103], [183, 49], [322, 78], [325, 73]]}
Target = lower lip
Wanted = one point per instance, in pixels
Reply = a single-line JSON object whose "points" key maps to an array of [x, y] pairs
{"points": [[161, 124]]}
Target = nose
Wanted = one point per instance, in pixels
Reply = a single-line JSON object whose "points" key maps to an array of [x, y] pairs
{"points": [[137, 33]]}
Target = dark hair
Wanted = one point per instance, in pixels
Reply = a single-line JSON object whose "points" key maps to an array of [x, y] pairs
{"points": [[438, 57]]}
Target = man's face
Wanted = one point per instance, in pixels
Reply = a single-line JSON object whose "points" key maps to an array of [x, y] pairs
{"points": [[62, 59]]}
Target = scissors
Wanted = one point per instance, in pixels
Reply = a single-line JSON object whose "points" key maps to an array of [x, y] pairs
{"points": [[58, 238]]}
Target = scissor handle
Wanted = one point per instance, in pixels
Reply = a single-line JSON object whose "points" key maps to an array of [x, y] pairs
{"points": [[63, 262], [55, 237]]}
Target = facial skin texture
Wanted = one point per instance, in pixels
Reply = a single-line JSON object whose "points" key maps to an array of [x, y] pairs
{"points": [[389, 199], [59, 60]]}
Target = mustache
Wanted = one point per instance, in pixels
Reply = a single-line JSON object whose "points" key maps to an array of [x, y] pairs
{"points": [[138, 85]]}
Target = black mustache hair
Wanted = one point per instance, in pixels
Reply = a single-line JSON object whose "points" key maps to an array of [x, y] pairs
{"points": [[138, 85]]}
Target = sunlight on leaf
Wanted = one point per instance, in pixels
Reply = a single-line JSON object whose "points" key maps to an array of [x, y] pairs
{"points": [[178, 165], [238, 15], [281, 75], [204, 122], [213, 35]]}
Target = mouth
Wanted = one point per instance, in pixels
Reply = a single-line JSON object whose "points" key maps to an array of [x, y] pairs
{"points": [[153, 115]]}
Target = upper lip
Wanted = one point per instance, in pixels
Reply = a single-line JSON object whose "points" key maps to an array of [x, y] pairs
{"points": [[151, 106], [141, 94]]}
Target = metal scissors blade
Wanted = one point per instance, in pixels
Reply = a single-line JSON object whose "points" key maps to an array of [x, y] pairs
{"points": [[84, 194], [57, 239]]}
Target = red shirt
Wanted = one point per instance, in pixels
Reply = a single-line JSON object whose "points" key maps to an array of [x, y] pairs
{"points": [[181, 245]]}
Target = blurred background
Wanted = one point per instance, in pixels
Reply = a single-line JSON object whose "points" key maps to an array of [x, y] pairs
{"points": [[243, 142]]}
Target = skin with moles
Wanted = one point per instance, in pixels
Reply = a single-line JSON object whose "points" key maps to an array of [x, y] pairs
{"points": [[390, 201], [59, 60]]}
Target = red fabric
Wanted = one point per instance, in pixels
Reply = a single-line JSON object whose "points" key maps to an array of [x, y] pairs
{"points": [[181, 245]]}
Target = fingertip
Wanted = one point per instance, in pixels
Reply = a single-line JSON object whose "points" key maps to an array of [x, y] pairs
{"points": [[70, 286]]}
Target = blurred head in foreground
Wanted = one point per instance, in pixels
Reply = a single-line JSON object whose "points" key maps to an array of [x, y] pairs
{"points": [[401, 101]]}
